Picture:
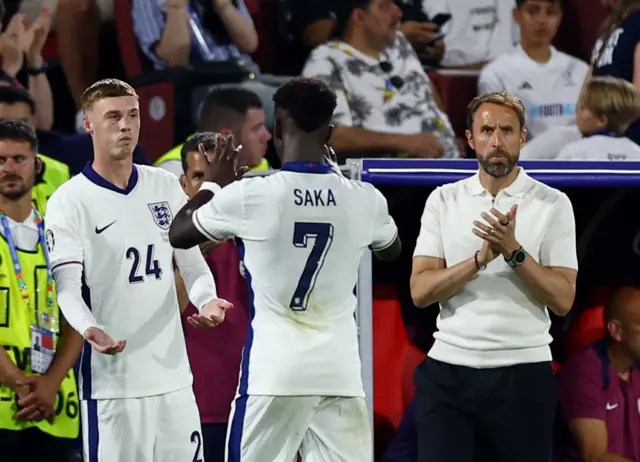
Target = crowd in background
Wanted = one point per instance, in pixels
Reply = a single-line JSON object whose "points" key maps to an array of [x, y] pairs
{"points": [[385, 61]]}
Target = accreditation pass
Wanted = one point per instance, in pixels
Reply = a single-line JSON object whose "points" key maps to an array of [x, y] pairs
{"points": [[42, 349]]}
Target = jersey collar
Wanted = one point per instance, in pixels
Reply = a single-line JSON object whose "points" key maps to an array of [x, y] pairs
{"points": [[306, 167], [516, 189], [96, 179], [608, 133]]}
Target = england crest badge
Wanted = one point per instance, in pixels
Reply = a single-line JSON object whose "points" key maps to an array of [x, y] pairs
{"points": [[161, 213]]}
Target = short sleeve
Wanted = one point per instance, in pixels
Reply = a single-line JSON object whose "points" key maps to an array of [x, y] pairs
{"points": [[322, 67], [222, 217], [558, 247], [429, 243], [580, 393], [384, 230], [489, 81], [63, 233]]}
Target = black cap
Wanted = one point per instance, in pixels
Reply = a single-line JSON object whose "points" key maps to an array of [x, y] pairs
{"points": [[343, 11]]}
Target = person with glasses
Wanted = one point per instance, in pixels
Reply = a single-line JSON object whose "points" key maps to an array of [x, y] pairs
{"points": [[386, 102]]}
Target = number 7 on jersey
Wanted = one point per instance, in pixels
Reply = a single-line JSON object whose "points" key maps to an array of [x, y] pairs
{"points": [[322, 234]]}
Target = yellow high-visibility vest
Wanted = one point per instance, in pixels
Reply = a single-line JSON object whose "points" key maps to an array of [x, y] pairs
{"points": [[17, 315]]}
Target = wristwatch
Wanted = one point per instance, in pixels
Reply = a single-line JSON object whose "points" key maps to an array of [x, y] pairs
{"points": [[517, 258], [36, 71]]}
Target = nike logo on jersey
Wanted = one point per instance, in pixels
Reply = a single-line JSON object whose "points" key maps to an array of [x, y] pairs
{"points": [[611, 407], [102, 230]]}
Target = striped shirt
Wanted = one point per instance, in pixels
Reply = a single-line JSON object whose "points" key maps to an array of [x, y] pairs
{"points": [[149, 19]]}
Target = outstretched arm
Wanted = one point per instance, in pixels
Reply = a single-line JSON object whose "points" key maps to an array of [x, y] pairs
{"points": [[198, 280]]}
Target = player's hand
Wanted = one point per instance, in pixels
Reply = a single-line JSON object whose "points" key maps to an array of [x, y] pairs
{"points": [[424, 145], [211, 315], [499, 230], [102, 343], [222, 164], [39, 403]]}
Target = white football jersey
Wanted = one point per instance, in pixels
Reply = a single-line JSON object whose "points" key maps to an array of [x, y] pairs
{"points": [[303, 232], [549, 91], [121, 237], [602, 148]]}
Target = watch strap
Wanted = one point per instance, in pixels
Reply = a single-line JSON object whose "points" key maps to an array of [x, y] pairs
{"points": [[512, 261], [35, 71]]}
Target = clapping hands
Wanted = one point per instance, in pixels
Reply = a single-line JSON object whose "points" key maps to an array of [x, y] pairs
{"points": [[21, 38]]}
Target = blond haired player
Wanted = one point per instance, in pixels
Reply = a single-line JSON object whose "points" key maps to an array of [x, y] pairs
{"points": [[110, 225]]}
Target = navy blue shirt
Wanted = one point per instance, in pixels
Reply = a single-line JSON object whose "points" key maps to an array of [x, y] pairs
{"points": [[617, 58]]}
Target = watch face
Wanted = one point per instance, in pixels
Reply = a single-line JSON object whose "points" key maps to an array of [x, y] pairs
{"points": [[519, 257]]}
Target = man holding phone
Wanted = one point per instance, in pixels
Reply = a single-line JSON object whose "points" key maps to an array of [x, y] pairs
{"points": [[423, 33], [477, 31], [310, 23], [387, 105]]}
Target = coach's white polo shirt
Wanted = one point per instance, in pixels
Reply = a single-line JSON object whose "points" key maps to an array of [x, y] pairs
{"points": [[495, 321]]}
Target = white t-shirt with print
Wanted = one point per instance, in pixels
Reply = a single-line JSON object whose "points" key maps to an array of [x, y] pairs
{"points": [[549, 91], [367, 98]]}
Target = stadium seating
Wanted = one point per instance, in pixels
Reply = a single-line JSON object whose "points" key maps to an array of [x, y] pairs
{"points": [[166, 123], [394, 360], [586, 329]]}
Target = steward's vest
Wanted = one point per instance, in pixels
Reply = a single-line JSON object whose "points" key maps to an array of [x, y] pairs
{"points": [[16, 319], [54, 173], [174, 154]]}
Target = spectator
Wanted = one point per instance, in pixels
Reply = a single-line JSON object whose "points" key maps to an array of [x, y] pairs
{"points": [[181, 33], [307, 24], [229, 110], [547, 81], [215, 358], [386, 102], [479, 30], [607, 107], [599, 390], [21, 48], [38, 402], [616, 50], [16, 104], [77, 26]]}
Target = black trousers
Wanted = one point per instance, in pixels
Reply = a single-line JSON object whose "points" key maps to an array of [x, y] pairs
{"points": [[503, 414], [32, 445]]}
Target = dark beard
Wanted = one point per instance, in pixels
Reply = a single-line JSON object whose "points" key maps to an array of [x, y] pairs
{"points": [[498, 170], [15, 194]]}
